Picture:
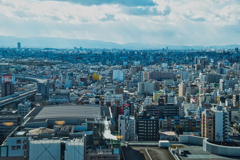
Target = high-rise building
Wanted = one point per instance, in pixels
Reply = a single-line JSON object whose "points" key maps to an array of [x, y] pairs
{"points": [[215, 124], [182, 89], [200, 63], [184, 75], [118, 75], [236, 66], [210, 78], [126, 127], [144, 76], [7, 89], [147, 127], [236, 100], [19, 46], [68, 83], [136, 69], [43, 88], [227, 83], [221, 70], [146, 88], [236, 49]]}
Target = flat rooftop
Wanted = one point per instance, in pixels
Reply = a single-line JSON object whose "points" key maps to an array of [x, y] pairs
{"points": [[138, 153], [197, 153], [89, 112]]}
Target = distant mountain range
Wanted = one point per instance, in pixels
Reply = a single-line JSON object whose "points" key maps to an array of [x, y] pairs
{"points": [[55, 42]]}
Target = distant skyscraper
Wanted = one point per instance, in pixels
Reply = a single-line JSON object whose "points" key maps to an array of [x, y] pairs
{"points": [[236, 49], [19, 45]]}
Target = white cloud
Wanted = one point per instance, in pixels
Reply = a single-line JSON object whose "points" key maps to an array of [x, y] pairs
{"points": [[168, 22]]}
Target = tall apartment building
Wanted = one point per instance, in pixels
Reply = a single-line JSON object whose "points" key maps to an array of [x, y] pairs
{"points": [[201, 62], [136, 69], [147, 127], [221, 70], [227, 83], [236, 66], [43, 88], [210, 78], [128, 107], [146, 88], [236, 100], [158, 75], [215, 124], [144, 76], [184, 75], [19, 46], [156, 85], [7, 89], [182, 89], [162, 110], [184, 124], [118, 75], [127, 128]]}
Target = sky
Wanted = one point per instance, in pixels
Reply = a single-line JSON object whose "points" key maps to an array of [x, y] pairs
{"points": [[172, 22]]}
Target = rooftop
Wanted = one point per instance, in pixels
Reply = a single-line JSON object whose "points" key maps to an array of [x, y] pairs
{"points": [[197, 153], [89, 112]]}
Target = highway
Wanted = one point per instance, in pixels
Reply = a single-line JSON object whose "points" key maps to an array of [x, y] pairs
{"points": [[16, 97], [29, 78]]}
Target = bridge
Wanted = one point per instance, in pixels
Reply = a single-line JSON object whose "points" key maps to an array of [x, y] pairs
{"points": [[16, 97], [30, 78]]}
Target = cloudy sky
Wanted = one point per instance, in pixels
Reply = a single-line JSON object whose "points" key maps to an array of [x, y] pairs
{"points": [[173, 22]]}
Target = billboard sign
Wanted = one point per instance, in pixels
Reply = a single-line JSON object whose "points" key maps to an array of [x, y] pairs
{"points": [[7, 78], [125, 104], [15, 146]]}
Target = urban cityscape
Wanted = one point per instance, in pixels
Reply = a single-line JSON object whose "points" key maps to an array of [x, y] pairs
{"points": [[117, 104], [119, 80]]}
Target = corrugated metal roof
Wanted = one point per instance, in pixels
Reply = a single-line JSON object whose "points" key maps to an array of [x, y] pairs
{"points": [[69, 111]]}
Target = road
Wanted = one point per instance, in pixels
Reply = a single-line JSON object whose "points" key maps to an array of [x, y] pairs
{"points": [[160, 153], [138, 153]]}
